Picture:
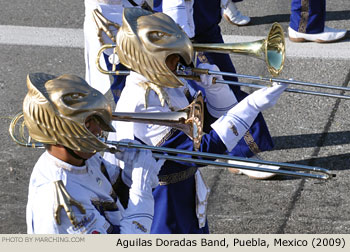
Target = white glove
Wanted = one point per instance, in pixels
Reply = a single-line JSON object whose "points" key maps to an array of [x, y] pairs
{"points": [[232, 126], [266, 97], [127, 155], [219, 97], [138, 217], [207, 79], [145, 172]]}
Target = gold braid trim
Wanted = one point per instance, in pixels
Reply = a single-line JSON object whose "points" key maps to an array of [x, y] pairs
{"points": [[166, 137], [177, 177], [174, 177], [248, 138], [304, 16]]}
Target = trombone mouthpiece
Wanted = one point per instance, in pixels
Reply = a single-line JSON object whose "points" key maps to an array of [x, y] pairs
{"points": [[183, 70]]}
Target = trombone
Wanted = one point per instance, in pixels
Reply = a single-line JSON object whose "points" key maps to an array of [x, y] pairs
{"points": [[271, 50], [193, 74], [316, 172], [196, 157], [189, 120]]}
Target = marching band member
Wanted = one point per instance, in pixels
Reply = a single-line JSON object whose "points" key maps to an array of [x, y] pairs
{"points": [[151, 45], [200, 20], [72, 188], [94, 37], [307, 23]]}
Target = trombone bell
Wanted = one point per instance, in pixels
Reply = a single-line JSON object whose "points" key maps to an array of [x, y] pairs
{"points": [[189, 119], [271, 49]]}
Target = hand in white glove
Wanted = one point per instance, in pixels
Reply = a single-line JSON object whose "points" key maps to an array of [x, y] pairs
{"points": [[127, 155], [219, 97], [266, 97], [207, 79], [145, 172], [138, 216]]}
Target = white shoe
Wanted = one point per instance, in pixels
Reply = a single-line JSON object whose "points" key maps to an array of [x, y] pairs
{"points": [[328, 35], [234, 16], [250, 173]]}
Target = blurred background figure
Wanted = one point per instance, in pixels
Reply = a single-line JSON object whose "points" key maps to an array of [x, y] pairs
{"points": [[307, 23], [233, 15], [94, 38]]}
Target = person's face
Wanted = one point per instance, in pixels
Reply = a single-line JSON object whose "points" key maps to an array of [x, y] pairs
{"points": [[93, 125], [172, 61]]}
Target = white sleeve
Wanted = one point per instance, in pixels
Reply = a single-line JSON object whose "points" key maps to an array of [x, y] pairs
{"points": [[219, 97], [39, 210], [138, 217], [181, 11], [234, 124]]}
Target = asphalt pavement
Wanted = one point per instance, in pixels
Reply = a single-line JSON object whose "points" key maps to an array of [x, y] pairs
{"points": [[46, 36]]}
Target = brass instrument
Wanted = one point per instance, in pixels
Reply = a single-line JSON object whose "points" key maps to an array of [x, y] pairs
{"points": [[114, 63], [197, 157], [323, 174], [193, 74], [189, 120], [271, 49]]}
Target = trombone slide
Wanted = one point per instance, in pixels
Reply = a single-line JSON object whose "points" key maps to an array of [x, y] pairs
{"points": [[309, 172], [317, 172], [193, 74]]}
